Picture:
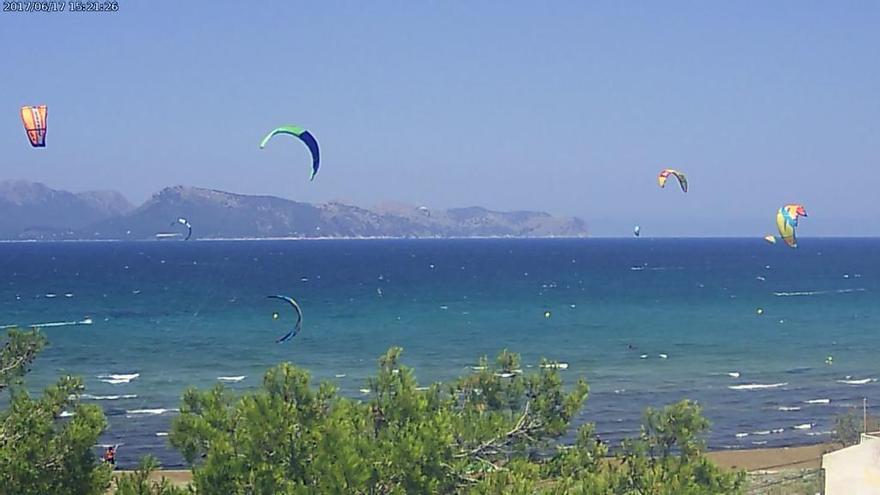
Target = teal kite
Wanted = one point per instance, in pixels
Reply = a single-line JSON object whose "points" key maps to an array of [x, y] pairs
{"points": [[304, 136]]}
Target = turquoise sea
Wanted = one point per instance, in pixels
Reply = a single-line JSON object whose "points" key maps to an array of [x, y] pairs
{"points": [[165, 315]]}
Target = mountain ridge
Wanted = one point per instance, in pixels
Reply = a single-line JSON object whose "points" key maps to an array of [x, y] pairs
{"points": [[42, 213]]}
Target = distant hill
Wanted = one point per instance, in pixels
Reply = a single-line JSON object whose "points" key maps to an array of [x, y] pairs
{"points": [[30, 210], [34, 211]]}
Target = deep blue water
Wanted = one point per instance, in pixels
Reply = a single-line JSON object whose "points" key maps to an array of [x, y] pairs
{"points": [[185, 313]]}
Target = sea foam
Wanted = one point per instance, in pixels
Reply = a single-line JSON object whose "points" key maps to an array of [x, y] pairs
{"points": [[116, 379], [863, 381], [232, 379], [149, 412], [109, 397], [757, 386]]}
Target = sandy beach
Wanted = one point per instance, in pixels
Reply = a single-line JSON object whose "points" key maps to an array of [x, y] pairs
{"points": [[801, 458], [775, 459]]}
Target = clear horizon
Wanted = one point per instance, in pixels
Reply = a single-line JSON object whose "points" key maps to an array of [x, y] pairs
{"points": [[571, 109]]}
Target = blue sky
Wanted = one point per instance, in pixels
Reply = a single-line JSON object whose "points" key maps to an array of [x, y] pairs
{"points": [[568, 107]]}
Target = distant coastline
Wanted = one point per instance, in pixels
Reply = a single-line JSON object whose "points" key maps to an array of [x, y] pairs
{"points": [[426, 238], [33, 211], [327, 238]]}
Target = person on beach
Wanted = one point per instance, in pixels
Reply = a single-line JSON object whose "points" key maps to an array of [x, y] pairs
{"points": [[110, 456]]}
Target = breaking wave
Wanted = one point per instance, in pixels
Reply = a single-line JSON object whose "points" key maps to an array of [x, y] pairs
{"points": [[116, 379], [231, 379], [757, 386], [862, 381], [149, 412], [817, 292], [109, 397]]}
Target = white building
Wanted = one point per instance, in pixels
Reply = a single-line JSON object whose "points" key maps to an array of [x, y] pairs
{"points": [[854, 470]]}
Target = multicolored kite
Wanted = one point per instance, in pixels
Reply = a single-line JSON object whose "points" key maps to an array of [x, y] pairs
{"points": [[787, 221], [34, 120], [304, 136], [666, 172]]}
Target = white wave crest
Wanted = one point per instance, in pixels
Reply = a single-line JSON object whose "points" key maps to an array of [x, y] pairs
{"points": [[733, 374], [120, 376], [817, 401], [789, 408], [232, 379], [805, 426], [150, 412], [863, 381], [116, 379], [799, 293], [817, 292], [757, 386], [86, 321], [109, 397]]}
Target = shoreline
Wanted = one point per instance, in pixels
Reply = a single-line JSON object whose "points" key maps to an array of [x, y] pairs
{"points": [[419, 238], [290, 238], [759, 461], [773, 458]]}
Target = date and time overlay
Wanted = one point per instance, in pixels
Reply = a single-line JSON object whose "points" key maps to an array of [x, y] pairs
{"points": [[59, 6]]}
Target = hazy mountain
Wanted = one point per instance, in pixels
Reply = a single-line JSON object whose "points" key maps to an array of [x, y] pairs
{"points": [[41, 213], [30, 210]]}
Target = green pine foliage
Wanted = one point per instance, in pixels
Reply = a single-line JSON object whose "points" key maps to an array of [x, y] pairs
{"points": [[494, 431], [40, 452]]}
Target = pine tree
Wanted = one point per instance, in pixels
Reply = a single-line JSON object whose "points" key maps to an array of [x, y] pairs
{"points": [[41, 452], [494, 431]]}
